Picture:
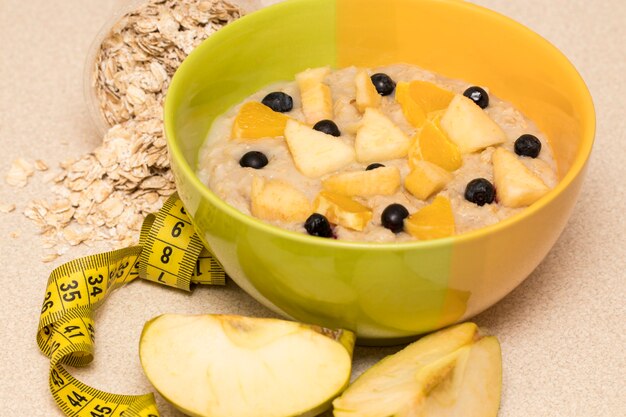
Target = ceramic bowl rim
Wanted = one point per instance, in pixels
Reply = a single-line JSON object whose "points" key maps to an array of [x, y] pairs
{"points": [[577, 167]]}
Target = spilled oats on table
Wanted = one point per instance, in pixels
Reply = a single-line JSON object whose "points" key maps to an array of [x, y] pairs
{"points": [[105, 194]]}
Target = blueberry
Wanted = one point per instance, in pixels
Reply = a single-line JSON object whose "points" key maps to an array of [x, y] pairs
{"points": [[393, 217], [480, 191], [278, 101], [478, 96], [383, 83], [318, 225], [253, 159], [528, 145], [327, 126], [374, 166]]}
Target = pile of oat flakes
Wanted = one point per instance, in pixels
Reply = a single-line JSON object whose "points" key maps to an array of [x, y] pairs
{"points": [[105, 195]]}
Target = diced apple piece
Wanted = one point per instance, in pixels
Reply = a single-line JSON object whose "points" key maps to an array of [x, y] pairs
{"points": [[390, 386], [342, 210], [446, 374], [278, 200], [366, 94], [311, 77], [432, 145], [317, 104], [516, 185], [379, 139], [256, 120], [434, 221], [316, 97], [469, 126], [315, 153], [426, 179], [380, 181], [231, 366]]}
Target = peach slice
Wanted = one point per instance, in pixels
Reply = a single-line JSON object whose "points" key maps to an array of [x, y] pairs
{"points": [[419, 98], [433, 221], [432, 145], [256, 121]]}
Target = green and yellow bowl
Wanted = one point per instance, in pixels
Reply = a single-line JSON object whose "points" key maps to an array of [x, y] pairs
{"points": [[393, 291]]}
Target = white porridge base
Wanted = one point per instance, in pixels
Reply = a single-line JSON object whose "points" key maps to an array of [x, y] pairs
{"points": [[219, 158]]}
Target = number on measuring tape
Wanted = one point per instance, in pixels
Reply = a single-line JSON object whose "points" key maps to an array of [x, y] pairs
{"points": [[178, 229], [170, 253], [167, 252], [101, 411], [76, 399], [72, 331], [69, 291], [47, 303], [56, 379], [174, 247], [96, 282]]}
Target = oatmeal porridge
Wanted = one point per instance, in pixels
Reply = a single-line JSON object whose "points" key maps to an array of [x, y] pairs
{"points": [[390, 154]]}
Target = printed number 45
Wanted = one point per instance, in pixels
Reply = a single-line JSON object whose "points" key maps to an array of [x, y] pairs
{"points": [[99, 411]]}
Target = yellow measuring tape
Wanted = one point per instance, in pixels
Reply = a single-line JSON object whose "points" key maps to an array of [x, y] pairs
{"points": [[169, 252]]}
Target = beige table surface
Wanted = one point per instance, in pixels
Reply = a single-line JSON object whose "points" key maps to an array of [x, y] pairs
{"points": [[562, 330]]}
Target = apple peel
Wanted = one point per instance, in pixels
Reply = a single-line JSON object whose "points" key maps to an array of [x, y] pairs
{"points": [[453, 372], [232, 366]]}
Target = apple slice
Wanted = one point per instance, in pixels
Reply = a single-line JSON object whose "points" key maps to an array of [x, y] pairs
{"points": [[379, 139], [516, 185], [391, 385], [476, 382], [379, 181], [278, 200], [425, 179], [316, 153], [317, 101], [342, 210], [450, 373], [309, 78], [469, 126], [366, 94], [232, 366]]}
